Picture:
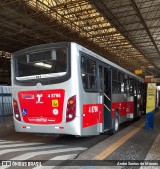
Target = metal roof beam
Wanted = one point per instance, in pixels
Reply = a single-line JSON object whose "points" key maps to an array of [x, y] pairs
{"points": [[107, 12], [71, 2], [144, 24]]}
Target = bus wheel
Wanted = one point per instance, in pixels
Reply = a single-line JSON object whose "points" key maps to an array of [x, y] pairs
{"points": [[115, 125]]}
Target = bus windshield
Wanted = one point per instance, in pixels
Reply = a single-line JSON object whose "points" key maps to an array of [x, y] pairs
{"points": [[41, 64]]}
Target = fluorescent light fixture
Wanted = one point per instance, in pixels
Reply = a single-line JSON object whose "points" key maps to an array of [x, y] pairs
{"points": [[43, 64], [151, 67]]}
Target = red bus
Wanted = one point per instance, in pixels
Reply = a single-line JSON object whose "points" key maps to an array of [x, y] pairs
{"points": [[64, 88]]}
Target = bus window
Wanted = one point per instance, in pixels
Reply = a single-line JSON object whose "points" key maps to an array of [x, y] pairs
{"points": [[101, 78], [120, 77], [89, 74], [91, 67], [126, 86], [83, 65], [131, 87], [135, 87], [117, 81], [53, 62], [122, 87], [140, 88], [106, 83], [114, 87], [114, 74], [119, 87]]}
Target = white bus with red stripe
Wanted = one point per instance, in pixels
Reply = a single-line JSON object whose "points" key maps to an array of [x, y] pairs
{"points": [[64, 88]]}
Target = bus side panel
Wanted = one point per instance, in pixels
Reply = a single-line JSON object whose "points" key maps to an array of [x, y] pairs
{"points": [[89, 108], [92, 115], [130, 107], [119, 104]]}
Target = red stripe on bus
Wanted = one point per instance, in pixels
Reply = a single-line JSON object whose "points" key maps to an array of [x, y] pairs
{"points": [[123, 108], [92, 114]]}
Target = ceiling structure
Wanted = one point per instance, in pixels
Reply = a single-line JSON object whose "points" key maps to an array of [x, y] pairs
{"points": [[139, 22], [126, 32]]}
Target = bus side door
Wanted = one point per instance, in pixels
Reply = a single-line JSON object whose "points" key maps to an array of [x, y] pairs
{"points": [[105, 96]]}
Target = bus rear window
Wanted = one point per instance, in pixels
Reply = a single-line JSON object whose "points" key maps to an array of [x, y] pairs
{"points": [[42, 64]]}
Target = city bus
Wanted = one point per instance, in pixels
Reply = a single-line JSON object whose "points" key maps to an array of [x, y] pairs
{"points": [[64, 88]]}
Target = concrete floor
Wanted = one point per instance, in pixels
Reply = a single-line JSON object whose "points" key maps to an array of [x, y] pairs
{"points": [[132, 147]]}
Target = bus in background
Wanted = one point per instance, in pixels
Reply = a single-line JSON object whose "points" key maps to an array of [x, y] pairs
{"points": [[64, 88]]}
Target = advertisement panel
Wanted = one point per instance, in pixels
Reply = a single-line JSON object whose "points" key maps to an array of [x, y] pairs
{"points": [[150, 107]]}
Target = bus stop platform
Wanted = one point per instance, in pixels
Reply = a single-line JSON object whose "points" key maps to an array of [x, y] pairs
{"points": [[132, 147]]}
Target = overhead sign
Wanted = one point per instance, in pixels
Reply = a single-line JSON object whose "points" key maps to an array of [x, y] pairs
{"points": [[149, 76], [155, 80], [137, 72], [148, 80]]}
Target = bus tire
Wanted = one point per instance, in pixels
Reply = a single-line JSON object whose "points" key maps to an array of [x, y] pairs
{"points": [[115, 125]]}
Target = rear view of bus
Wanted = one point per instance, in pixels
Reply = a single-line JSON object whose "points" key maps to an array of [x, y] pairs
{"points": [[44, 97]]}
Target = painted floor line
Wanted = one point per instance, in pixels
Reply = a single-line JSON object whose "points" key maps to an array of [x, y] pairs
{"points": [[118, 143], [20, 144], [9, 142], [33, 154], [28, 148]]}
